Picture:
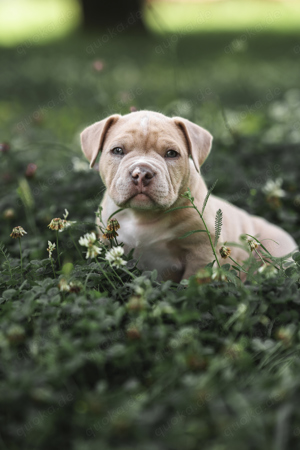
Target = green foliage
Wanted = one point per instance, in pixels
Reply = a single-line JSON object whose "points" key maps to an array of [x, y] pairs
{"points": [[96, 357], [192, 232], [207, 196]]}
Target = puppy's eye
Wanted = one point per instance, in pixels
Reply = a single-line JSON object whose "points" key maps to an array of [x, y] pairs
{"points": [[171, 154], [117, 151]]}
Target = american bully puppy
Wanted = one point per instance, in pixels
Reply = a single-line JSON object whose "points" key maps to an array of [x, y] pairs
{"points": [[145, 166]]}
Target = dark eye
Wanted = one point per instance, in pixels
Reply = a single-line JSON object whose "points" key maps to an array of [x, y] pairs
{"points": [[171, 154], [117, 151]]}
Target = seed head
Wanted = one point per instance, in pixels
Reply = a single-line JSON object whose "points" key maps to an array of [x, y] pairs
{"points": [[56, 224], [66, 223], [109, 234], [224, 251], [113, 225], [18, 232]]}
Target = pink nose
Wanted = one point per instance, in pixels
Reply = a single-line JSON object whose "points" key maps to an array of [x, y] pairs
{"points": [[141, 175]]}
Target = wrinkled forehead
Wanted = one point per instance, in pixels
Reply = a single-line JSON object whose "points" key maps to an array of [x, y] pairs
{"points": [[140, 129]]}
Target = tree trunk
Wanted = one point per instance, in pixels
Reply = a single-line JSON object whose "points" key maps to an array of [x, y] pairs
{"points": [[122, 13]]}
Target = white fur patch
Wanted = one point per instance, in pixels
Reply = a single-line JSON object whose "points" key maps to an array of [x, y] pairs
{"points": [[144, 124]]}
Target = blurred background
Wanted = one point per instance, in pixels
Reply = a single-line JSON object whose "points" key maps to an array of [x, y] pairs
{"points": [[231, 66]]}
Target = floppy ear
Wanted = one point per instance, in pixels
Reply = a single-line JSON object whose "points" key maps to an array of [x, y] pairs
{"points": [[198, 139], [92, 138]]}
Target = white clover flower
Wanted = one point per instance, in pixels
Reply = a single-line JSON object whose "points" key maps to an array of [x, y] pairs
{"points": [[79, 165], [268, 270], [66, 224], [218, 274], [252, 244], [93, 251], [114, 253], [273, 188], [88, 240], [51, 248], [113, 256], [119, 262], [63, 285], [73, 286]]}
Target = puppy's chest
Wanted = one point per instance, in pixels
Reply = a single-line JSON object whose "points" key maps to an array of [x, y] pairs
{"points": [[153, 247]]}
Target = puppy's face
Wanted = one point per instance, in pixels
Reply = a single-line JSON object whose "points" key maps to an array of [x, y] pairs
{"points": [[144, 161]]}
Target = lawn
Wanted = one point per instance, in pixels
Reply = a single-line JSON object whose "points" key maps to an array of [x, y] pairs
{"points": [[94, 356]]}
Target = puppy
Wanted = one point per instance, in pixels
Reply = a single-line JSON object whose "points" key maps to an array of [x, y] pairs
{"points": [[147, 161]]}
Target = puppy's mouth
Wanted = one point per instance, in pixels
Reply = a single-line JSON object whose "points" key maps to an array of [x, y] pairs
{"points": [[139, 200], [140, 196]]}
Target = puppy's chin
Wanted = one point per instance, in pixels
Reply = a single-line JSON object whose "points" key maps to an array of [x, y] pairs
{"points": [[141, 202]]}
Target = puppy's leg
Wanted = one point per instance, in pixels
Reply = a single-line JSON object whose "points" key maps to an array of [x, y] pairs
{"points": [[267, 233], [196, 259]]}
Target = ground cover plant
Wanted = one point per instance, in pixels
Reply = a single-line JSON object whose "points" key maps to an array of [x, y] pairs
{"points": [[94, 352]]}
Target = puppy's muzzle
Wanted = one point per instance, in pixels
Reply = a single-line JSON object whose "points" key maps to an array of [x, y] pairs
{"points": [[142, 175]]}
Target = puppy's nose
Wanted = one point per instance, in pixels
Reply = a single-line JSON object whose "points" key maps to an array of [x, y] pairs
{"points": [[142, 175]]}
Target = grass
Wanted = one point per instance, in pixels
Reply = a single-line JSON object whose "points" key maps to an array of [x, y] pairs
{"points": [[93, 356]]}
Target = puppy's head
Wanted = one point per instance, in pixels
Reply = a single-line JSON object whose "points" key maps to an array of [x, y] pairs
{"points": [[144, 161]]}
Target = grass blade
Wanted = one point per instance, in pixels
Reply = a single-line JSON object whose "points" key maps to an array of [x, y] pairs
{"points": [[191, 232], [207, 196], [118, 210]]}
